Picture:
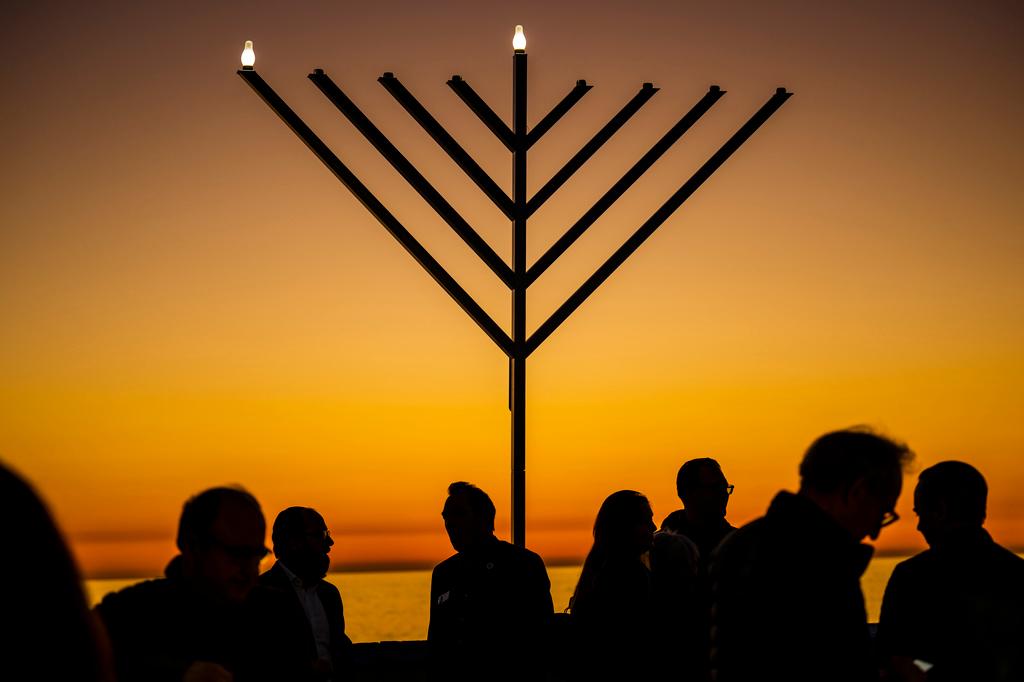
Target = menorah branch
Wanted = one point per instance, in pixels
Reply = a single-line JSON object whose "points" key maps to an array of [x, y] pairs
{"points": [[575, 95], [590, 148], [655, 221], [484, 112], [422, 186], [377, 209], [448, 144], [624, 183]]}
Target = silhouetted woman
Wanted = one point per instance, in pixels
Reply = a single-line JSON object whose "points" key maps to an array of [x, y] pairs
{"points": [[611, 607], [49, 632]]}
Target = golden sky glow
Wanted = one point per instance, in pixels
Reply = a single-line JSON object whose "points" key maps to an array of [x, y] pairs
{"points": [[188, 297]]}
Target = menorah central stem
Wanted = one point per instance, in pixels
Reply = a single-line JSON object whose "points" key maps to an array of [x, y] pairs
{"points": [[517, 375]]}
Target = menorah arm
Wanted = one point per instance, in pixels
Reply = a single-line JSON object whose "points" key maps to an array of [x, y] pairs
{"points": [[568, 102], [448, 144], [484, 112], [422, 186], [377, 209], [590, 148], [655, 221], [624, 183]]}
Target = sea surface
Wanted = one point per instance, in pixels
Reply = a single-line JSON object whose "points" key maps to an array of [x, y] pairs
{"points": [[393, 605]]}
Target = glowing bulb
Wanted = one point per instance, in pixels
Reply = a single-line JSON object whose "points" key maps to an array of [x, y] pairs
{"points": [[248, 56], [519, 40]]}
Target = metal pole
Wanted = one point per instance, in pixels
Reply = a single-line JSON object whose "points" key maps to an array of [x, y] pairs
{"points": [[517, 376]]}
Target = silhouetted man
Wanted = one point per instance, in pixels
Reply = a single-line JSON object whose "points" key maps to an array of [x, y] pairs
{"points": [[490, 603], [787, 598], [959, 605], [704, 492], [302, 545], [206, 620]]}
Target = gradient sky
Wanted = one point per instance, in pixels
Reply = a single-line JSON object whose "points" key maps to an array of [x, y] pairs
{"points": [[188, 297]]}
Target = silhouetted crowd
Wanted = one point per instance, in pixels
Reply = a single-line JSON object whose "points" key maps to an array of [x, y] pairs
{"points": [[696, 600]]}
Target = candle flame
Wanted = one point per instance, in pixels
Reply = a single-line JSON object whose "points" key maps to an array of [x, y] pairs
{"points": [[519, 40], [248, 55]]}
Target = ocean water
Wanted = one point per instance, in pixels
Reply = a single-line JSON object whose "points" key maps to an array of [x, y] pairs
{"points": [[394, 605]]}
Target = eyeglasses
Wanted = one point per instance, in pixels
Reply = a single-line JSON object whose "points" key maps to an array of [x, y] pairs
{"points": [[889, 518], [729, 488], [323, 535]]}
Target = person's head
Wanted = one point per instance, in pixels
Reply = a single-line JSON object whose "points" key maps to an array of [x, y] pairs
{"points": [[624, 530], [703, 489], [624, 524], [220, 535], [42, 596], [302, 543], [949, 496], [855, 476], [468, 515]]}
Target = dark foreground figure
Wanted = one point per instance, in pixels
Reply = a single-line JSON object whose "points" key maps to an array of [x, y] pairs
{"points": [[959, 605], [787, 597], [613, 614], [490, 603], [704, 492], [48, 631], [207, 620], [302, 545]]}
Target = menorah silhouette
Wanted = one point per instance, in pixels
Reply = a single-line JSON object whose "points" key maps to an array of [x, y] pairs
{"points": [[518, 208]]}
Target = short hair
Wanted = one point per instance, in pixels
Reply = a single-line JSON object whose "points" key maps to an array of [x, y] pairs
{"points": [[836, 460], [478, 500], [959, 486], [290, 523], [201, 511], [689, 473]]}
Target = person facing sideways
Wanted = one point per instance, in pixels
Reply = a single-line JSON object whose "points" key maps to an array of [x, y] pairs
{"points": [[207, 620], [958, 607], [611, 608], [302, 545], [704, 492], [490, 603], [48, 631], [786, 587]]}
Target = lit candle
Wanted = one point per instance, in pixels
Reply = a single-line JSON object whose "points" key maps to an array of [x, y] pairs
{"points": [[248, 56], [519, 40]]}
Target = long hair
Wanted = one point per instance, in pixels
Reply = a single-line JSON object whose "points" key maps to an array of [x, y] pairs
{"points": [[618, 515]]}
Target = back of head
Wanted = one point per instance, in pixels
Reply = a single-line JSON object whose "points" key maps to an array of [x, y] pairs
{"points": [[201, 511], [290, 524], [836, 460], [617, 518], [958, 488], [623, 529], [42, 596], [479, 501], [689, 474]]}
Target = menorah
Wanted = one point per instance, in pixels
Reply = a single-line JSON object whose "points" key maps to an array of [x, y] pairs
{"points": [[518, 208]]}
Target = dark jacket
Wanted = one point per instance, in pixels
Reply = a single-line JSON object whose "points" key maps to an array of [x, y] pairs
{"points": [[706, 540], [340, 644], [158, 628], [787, 599], [960, 607], [614, 620], [489, 613]]}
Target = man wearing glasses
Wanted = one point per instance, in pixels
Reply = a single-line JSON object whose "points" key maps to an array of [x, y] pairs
{"points": [[704, 492], [787, 597], [302, 545], [207, 620]]}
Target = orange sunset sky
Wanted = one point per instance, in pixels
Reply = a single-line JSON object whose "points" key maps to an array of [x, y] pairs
{"points": [[189, 298]]}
